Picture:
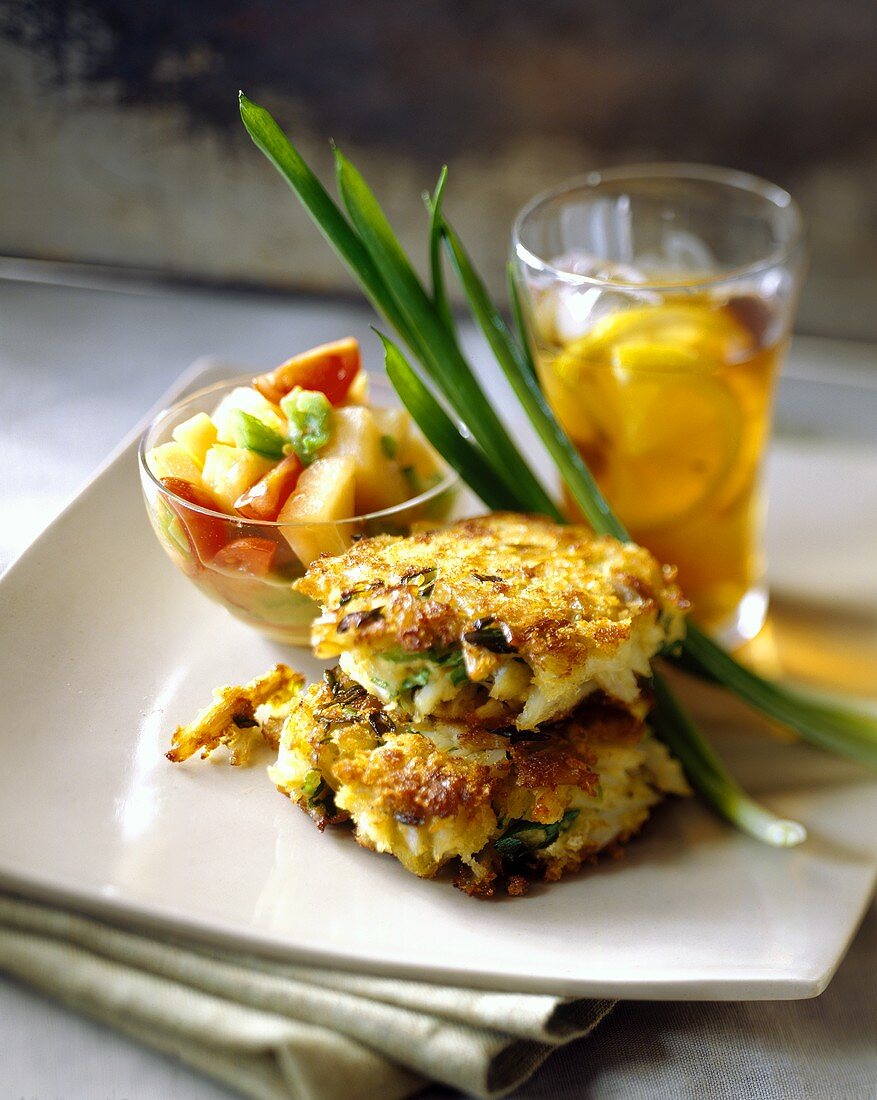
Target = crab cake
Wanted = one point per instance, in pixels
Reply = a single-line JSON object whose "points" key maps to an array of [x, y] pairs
{"points": [[498, 803], [505, 616]]}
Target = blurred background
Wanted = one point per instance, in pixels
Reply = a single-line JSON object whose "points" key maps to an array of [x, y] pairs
{"points": [[121, 144]]}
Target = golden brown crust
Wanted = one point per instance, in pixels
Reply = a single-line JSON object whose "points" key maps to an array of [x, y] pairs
{"points": [[230, 718], [413, 782], [551, 593], [557, 764], [411, 779]]}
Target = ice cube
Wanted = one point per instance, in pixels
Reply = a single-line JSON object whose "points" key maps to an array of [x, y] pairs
{"points": [[682, 255], [593, 267], [577, 311], [568, 311]]}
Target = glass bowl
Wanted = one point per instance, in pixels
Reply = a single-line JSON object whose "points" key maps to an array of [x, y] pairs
{"points": [[248, 566]]}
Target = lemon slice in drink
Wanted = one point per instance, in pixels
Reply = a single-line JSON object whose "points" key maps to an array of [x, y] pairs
{"points": [[675, 442], [583, 394], [707, 334]]}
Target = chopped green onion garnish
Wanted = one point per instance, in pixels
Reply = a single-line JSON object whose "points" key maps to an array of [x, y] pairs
{"points": [[415, 680], [523, 837], [311, 784], [488, 634]]}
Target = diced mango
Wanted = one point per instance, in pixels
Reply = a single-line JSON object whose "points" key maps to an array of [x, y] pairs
{"points": [[358, 392], [173, 460], [394, 426], [324, 494], [379, 481], [230, 471], [419, 454], [197, 435], [249, 400]]}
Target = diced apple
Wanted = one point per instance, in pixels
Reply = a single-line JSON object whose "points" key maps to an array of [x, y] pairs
{"points": [[197, 435], [206, 534], [230, 471], [173, 460], [248, 400], [394, 426], [355, 435], [265, 499], [324, 494], [330, 368], [251, 557]]}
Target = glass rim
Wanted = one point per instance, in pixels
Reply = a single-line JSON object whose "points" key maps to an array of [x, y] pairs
{"points": [[448, 481], [730, 178]]}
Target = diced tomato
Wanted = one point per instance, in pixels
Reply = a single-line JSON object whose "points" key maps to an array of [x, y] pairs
{"points": [[329, 368], [265, 499], [252, 556], [206, 533]]}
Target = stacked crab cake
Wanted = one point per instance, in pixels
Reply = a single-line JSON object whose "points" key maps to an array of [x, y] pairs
{"points": [[488, 705]]}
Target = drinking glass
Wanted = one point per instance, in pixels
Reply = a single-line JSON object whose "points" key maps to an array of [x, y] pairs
{"points": [[659, 301]]}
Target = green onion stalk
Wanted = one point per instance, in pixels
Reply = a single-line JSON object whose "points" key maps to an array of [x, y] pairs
{"points": [[449, 405]]}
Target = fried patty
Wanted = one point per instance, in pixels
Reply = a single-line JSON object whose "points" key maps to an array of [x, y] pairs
{"points": [[504, 615], [498, 803]]}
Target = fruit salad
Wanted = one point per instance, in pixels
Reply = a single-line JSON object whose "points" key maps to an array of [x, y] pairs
{"points": [[247, 483]]}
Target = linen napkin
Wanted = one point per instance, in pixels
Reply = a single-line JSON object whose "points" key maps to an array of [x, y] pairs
{"points": [[279, 1031]]}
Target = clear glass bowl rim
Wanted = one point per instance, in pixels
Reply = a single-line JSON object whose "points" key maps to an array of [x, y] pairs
{"points": [[728, 178], [449, 481]]}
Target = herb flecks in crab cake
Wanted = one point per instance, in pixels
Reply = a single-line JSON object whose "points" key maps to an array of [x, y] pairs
{"points": [[504, 616], [500, 804]]}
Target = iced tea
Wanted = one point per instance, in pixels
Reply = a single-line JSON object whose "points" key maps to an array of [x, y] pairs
{"points": [[659, 299], [670, 406]]}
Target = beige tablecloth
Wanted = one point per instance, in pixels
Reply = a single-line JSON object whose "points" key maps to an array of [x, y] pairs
{"points": [[276, 1031]]}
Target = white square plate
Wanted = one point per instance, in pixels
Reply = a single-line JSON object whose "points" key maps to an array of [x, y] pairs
{"points": [[104, 648]]}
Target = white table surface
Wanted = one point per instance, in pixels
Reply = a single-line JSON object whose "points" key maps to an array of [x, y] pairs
{"points": [[78, 368]]}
